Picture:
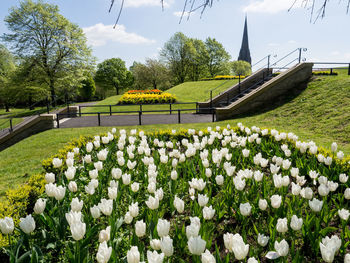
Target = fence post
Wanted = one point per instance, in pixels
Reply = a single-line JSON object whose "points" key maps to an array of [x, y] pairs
{"points": [[213, 116], [140, 113], [349, 69], [331, 71], [11, 128], [211, 99], [299, 55], [58, 120], [99, 118], [239, 83], [47, 105], [141, 107], [79, 111], [197, 107], [68, 115], [170, 108], [179, 116], [110, 110]]}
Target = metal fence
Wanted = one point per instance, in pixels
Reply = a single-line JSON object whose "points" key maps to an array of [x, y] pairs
{"points": [[138, 113]]}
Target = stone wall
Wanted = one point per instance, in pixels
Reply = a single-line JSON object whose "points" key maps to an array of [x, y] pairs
{"points": [[268, 92], [27, 128], [68, 112]]}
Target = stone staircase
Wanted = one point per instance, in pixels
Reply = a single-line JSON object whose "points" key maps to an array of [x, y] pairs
{"points": [[263, 92]]}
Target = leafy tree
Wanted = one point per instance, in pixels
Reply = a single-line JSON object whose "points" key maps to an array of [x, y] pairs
{"points": [[25, 86], [88, 88], [151, 74], [53, 44], [197, 61], [7, 66], [177, 54], [112, 73], [241, 67], [216, 57]]}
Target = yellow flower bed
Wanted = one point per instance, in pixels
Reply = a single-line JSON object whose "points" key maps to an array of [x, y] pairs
{"points": [[147, 98]]}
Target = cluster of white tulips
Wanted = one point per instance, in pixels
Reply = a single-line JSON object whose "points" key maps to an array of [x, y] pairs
{"points": [[219, 195]]}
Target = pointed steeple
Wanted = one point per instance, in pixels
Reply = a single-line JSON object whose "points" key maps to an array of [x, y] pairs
{"points": [[244, 53]]}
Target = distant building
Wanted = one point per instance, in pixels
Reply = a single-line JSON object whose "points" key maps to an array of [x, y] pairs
{"points": [[244, 53]]}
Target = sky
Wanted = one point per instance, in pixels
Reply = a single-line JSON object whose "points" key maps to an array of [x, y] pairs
{"points": [[144, 27]]}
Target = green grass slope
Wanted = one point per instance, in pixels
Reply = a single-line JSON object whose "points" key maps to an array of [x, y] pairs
{"points": [[193, 91], [321, 113], [322, 110]]}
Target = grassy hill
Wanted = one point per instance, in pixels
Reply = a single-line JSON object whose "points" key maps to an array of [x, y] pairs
{"points": [[319, 112], [192, 91]]}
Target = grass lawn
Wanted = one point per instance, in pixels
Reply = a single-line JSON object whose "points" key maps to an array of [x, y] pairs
{"points": [[5, 123], [193, 91], [321, 113]]}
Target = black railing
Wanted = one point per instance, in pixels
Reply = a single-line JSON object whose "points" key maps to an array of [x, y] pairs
{"points": [[138, 113], [333, 63], [141, 106]]}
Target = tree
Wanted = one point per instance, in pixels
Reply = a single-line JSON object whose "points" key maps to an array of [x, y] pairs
{"points": [[216, 57], [88, 88], [112, 73], [151, 74], [241, 67], [7, 66], [176, 53], [54, 45], [197, 60]]}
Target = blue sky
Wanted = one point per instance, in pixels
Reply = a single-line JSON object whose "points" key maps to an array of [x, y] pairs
{"points": [[144, 27]]}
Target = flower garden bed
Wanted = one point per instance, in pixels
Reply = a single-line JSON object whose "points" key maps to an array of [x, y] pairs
{"points": [[217, 195], [148, 91], [325, 73], [224, 77], [147, 98]]}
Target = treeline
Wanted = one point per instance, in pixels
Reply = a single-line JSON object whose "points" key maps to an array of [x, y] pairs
{"points": [[50, 61]]}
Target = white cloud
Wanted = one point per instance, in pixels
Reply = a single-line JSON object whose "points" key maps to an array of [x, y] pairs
{"points": [[185, 14], [100, 34], [269, 6], [138, 3]]}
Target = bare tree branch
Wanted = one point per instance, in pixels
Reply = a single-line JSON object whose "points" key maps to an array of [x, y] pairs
{"points": [[204, 4]]}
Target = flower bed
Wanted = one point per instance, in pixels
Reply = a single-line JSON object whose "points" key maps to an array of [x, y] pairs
{"points": [[218, 195], [324, 73], [150, 91], [138, 98], [223, 77]]}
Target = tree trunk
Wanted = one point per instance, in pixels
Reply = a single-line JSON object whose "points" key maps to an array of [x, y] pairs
{"points": [[53, 94], [117, 89], [154, 85], [7, 107], [30, 103]]}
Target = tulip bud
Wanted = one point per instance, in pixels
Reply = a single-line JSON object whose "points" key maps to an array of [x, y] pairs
{"points": [[163, 227], [133, 255], [6, 225], [27, 224], [104, 253], [196, 245], [262, 204], [140, 228], [166, 245], [179, 205], [39, 206], [296, 223], [104, 234]]}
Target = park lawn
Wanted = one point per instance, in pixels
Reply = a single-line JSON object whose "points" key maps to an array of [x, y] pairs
{"points": [[192, 91], [5, 122], [320, 113], [200, 90]]}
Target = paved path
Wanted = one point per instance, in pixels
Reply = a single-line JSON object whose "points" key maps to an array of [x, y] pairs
{"points": [[128, 120]]}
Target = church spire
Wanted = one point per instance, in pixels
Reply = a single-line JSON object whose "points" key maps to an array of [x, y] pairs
{"points": [[244, 53]]}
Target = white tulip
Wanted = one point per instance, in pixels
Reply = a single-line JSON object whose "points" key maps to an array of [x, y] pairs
{"points": [[104, 253], [6, 225], [163, 227], [282, 225], [296, 223], [39, 206], [262, 204], [196, 245]]}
